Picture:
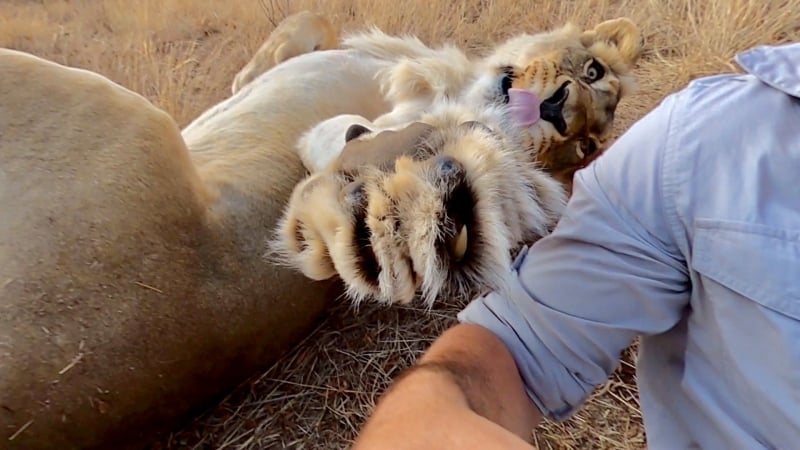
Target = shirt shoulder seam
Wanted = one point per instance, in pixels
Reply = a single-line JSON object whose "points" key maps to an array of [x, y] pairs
{"points": [[668, 171]]}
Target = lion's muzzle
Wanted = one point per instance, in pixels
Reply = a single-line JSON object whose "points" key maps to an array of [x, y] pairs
{"points": [[552, 108]]}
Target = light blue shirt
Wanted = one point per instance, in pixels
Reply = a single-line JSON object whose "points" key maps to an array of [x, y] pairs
{"points": [[686, 233]]}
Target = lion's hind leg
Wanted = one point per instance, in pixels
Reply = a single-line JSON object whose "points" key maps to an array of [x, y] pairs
{"points": [[300, 33]]}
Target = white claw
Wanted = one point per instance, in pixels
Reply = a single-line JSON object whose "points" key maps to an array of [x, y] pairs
{"points": [[459, 244]]}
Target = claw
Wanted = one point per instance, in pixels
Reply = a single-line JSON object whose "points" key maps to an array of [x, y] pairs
{"points": [[458, 245]]}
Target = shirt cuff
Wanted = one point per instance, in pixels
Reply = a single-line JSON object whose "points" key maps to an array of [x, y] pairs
{"points": [[551, 386]]}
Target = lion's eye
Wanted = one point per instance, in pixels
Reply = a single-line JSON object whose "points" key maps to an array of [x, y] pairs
{"points": [[591, 147], [586, 147], [595, 71]]}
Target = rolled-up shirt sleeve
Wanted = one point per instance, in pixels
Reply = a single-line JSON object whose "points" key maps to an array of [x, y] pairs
{"points": [[610, 271]]}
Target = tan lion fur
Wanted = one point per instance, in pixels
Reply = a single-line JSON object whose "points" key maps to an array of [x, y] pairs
{"points": [[133, 287], [383, 230]]}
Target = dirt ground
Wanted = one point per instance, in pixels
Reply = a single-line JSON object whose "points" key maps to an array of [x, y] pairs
{"points": [[182, 55]]}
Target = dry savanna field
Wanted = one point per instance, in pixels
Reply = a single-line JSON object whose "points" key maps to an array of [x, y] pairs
{"points": [[182, 55]]}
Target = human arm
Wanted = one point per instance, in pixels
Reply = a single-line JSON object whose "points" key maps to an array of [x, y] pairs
{"points": [[465, 392]]}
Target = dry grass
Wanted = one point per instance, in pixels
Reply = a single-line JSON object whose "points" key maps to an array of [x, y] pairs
{"points": [[182, 55]]}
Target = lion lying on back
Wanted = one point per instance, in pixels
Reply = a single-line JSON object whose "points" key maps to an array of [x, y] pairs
{"points": [[474, 160], [132, 280]]}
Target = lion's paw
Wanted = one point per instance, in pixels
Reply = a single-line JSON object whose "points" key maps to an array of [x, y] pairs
{"points": [[313, 215], [438, 219]]}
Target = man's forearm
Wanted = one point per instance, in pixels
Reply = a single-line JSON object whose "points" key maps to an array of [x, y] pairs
{"points": [[483, 369], [466, 386]]}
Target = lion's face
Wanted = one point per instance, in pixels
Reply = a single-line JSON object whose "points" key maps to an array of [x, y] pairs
{"points": [[577, 81]]}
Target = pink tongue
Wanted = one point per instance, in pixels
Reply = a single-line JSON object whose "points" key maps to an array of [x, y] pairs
{"points": [[524, 106]]}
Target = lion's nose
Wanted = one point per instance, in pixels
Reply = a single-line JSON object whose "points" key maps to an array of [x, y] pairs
{"points": [[552, 108]]}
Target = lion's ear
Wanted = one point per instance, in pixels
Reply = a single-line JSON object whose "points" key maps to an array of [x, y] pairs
{"points": [[621, 33], [355, 131]]}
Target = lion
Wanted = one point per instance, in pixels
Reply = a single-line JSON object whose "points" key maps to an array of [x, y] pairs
{"points": [[134, 288], [474, 161]]}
